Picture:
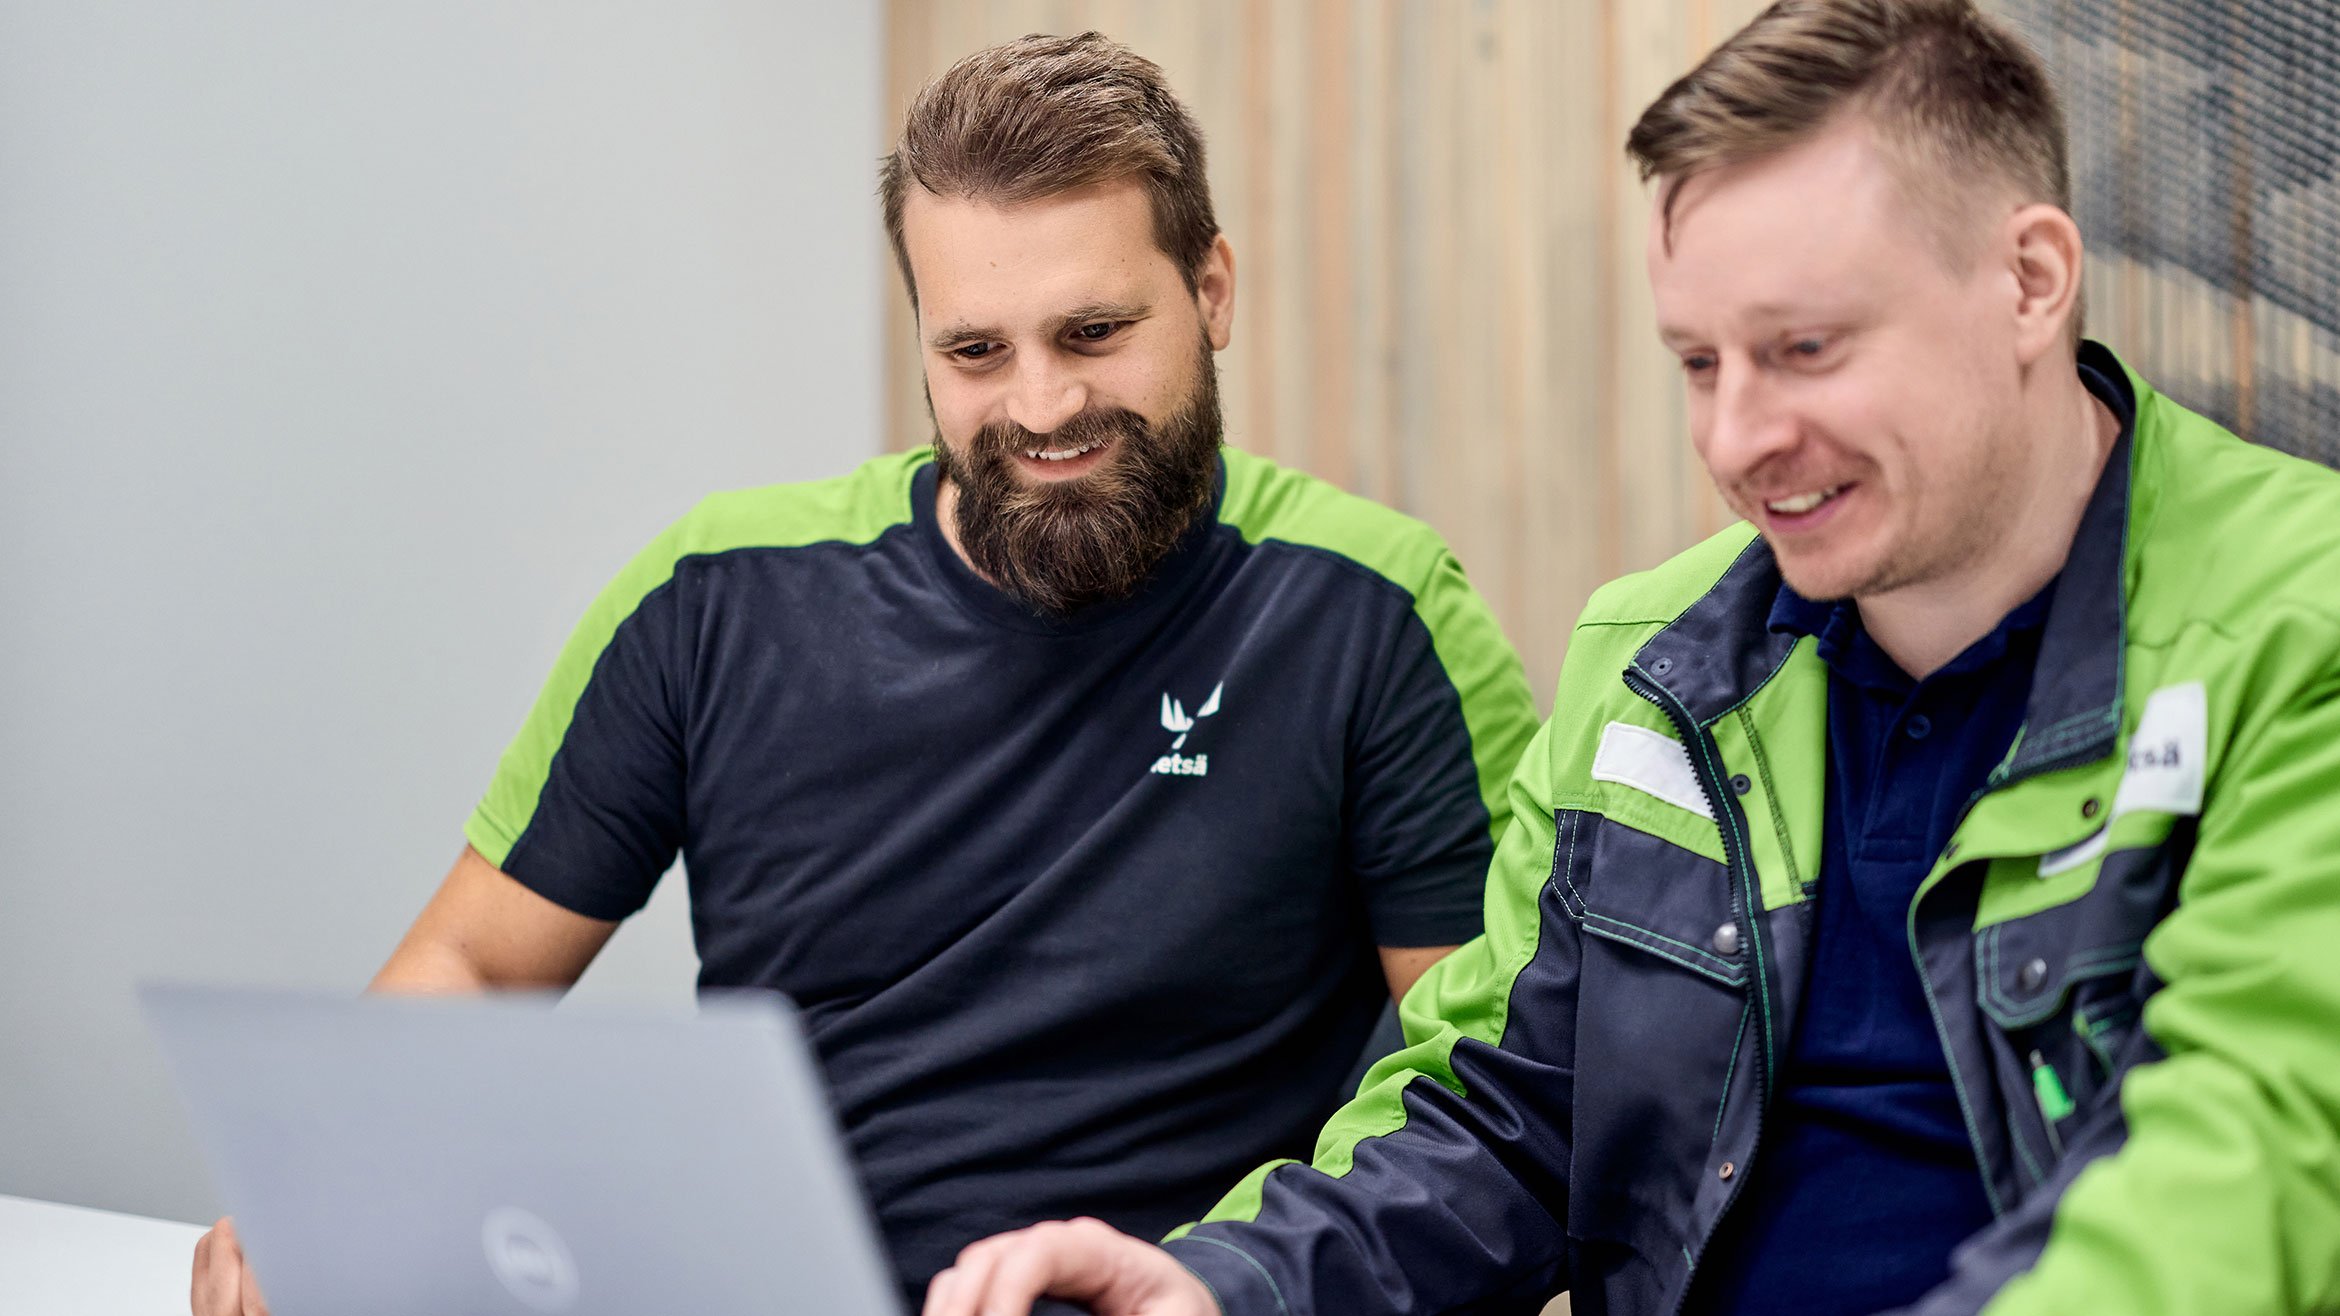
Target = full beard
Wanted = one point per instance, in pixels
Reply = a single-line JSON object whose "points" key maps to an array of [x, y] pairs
{"points": [[1063, 546]]}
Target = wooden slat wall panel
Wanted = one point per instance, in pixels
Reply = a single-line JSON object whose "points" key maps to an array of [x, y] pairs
{"points": [[1441, 301]]}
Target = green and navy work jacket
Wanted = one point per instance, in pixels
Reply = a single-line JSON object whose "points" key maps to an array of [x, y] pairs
{"points": [[2130, 946]]}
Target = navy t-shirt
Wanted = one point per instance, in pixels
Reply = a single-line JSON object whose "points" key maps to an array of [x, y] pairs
{"points": [[1080, 913]]}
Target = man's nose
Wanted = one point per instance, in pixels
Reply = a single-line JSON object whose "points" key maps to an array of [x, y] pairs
{"points": [[1045, 396], [1746, 425]]}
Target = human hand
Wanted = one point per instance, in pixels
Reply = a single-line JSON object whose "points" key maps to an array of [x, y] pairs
{"points": [[223, 1283], [1084, 1261]]}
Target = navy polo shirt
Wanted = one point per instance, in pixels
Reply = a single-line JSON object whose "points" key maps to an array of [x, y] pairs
{"points": [[1867, 1179]]}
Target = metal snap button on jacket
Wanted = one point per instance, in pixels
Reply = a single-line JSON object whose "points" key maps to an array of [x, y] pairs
{"points": [[2032, 976], [1726, 939]]}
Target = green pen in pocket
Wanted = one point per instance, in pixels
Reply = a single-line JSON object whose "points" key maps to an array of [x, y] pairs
{"points": [[2054, 1102]]}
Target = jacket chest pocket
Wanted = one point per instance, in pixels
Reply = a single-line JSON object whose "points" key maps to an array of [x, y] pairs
{"points": [[2061, 992], [1661, 1016]]}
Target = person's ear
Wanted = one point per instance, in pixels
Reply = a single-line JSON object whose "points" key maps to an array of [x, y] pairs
{"points": [[1214, 293], [2044, 254]]}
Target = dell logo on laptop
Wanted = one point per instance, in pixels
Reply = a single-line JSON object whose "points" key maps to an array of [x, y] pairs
{"points": [[531, 1260]]}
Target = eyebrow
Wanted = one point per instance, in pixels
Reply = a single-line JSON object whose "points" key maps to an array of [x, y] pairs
{"points": [[964, 332], [1778, 313]]}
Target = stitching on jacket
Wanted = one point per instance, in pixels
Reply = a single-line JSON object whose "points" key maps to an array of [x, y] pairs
{"points": [[2121, 955], [2015, 1126], [2023, 1150], [1568, 824], [2064, 725], [1987, 966], [1552, 878], [1723, 1103], [1770, 797], [2023, 1144], [2029, 1012], [2056, 737], [1610, 935], [2092, 1030], [1622, 932], [1727, 809], [1208, 1287], [1568, 874], [1753, 543], [1702, 956], [1563, 880], [1273, 1290], [1748, 697]]}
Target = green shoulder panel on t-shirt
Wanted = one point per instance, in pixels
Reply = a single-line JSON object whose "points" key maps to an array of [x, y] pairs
{"points": [[1265, 502], [854, 509]]}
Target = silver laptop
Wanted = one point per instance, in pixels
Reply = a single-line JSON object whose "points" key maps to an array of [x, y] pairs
{"points": [[393, 1156]]}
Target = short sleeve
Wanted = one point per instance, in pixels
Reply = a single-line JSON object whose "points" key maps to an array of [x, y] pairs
{"points": [[1429, 764], [586, 807]]}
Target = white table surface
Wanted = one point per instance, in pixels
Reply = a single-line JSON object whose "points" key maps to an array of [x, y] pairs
{"points": [[72, 1261]]}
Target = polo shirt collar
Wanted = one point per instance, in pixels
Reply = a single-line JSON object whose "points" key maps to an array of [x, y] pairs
{"points": [[1843, 644]]}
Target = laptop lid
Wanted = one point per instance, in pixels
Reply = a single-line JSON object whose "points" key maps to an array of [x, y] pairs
{"points": [[385, 1156]]}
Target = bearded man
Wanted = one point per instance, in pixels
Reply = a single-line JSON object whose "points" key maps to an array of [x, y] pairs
{"points": [[1087, 786]]}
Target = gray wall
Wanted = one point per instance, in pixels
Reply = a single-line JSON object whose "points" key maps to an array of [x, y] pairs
{"points": [[344, 352]]}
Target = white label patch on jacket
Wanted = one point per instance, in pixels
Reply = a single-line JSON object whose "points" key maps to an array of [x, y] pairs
{"points": [[1651, 763], [2164, 772], [2165, 756]]}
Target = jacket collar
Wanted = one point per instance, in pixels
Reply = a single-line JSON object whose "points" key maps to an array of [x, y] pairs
{"points": [[2075, 710], [1721, 650]]}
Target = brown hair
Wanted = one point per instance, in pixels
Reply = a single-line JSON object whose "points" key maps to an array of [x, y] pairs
{"points": [[1958, 96], [1044, 115]]}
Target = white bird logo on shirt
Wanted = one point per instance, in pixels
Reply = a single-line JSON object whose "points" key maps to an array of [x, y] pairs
{"points": [[1175, 717]]}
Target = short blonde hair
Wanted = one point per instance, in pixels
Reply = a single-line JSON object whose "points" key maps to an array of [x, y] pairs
{"points": [[1960, 98]]}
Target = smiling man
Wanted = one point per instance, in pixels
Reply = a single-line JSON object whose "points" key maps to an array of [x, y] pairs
{"points": [[1925, 896], [1089, 786]]}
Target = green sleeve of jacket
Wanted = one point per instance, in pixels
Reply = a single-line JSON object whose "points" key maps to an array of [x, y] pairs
{"points": [[2224, 1196]]}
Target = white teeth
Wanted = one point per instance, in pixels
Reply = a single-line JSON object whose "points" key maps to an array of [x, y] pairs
{"points": [[1053, 455], [1804, 502]]}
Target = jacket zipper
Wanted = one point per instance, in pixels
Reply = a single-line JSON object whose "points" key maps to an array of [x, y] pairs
{"points": [[1743, 906]]}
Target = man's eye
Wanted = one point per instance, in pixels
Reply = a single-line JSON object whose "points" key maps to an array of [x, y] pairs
{"points": [[1808, 347], [1097, 332], [972, 351], [1697, 364]]}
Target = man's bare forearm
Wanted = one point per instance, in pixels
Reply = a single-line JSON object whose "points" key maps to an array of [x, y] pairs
{"points": [[426, 969]]}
